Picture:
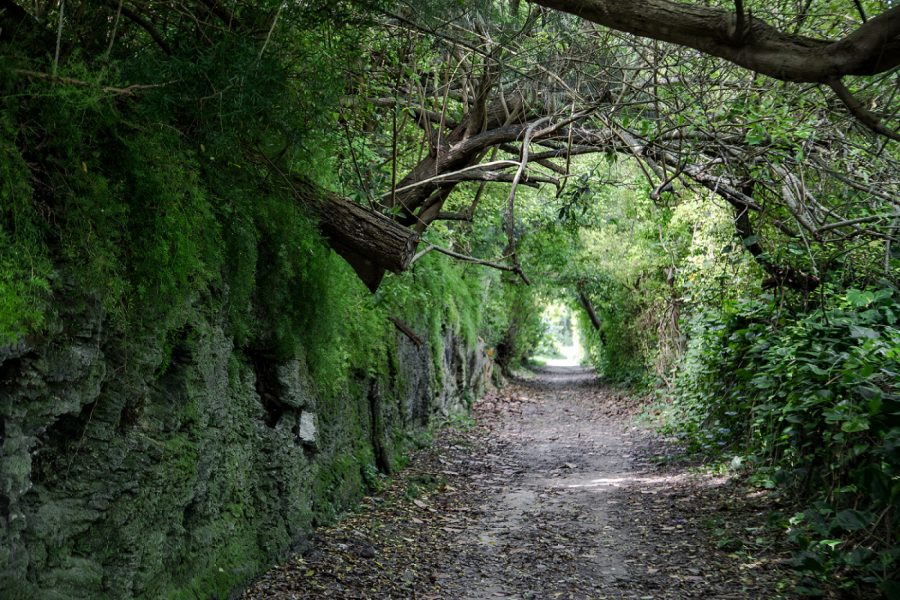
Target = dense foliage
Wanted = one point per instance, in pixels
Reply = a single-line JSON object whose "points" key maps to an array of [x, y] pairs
{"points": [[168, 195], [811, 401], [735, 236]]}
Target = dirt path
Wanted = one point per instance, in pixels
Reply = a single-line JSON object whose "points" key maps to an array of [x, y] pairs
{"points": [[556, 493]]}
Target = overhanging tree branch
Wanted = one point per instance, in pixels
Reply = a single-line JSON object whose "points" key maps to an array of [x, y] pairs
{"points": [[369, 241], [589, 309], [128, 90], [471, 259], [856, 108], [141, 22], [874, 47]]}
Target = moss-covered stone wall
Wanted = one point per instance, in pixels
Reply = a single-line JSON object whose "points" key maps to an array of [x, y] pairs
{"points": [[132, 468]]}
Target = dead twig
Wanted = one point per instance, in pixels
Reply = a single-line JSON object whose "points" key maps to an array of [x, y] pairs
{"points": [[407, 331], [128, 90], [463, 257]]}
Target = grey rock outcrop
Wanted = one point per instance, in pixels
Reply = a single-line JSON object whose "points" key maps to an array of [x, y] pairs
{"points": [[129, 469]]}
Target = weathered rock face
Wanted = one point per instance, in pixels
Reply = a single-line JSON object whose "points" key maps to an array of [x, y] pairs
{"points": [[464, 371], [132, 471]]}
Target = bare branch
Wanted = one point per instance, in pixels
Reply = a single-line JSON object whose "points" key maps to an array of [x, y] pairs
{"points": [[128, 90], [59, 30], [477, 261], [458, 175], [142, 23], [856, 108], [510, 201]]}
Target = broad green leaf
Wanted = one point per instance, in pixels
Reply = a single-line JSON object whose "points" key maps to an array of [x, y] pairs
{"points": [[860, 332], [851, 520], [855, 424]]}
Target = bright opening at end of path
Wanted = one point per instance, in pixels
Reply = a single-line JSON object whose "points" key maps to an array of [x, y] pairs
{"points": [[560, 344]]}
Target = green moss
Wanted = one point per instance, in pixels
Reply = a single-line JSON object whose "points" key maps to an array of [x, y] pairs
{"points": [[338, 483], [179, 466], [158, 207], [219, 568]]}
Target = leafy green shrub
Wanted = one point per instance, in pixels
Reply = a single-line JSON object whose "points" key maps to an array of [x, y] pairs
{"points": [[619, 354], [815, 399]]}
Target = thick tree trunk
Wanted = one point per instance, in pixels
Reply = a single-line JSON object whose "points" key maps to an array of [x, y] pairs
{"points": [[369, 241], [874, 47]]}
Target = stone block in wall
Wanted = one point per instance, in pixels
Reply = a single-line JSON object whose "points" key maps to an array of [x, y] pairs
{"points": [[307, 430]]}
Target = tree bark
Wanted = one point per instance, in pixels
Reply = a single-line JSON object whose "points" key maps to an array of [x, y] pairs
{"points": [[369, 241], [459, 149], [874, 47], [589, 309]]}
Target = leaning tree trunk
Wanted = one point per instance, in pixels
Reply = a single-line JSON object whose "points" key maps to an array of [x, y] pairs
{"points": [[589, 309], [369, 241]]}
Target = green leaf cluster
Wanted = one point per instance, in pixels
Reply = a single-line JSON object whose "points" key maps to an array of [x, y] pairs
{"points": [[813, 398]]}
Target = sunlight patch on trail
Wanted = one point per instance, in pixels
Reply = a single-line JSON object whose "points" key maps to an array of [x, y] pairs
{"points": [[624, 481], [661, 482]]}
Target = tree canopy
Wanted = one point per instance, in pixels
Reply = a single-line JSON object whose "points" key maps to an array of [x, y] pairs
{"points": [[713, 186]]}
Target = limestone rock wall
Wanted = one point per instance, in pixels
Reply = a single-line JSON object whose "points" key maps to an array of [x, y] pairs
{"points": [[129, 470]]}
